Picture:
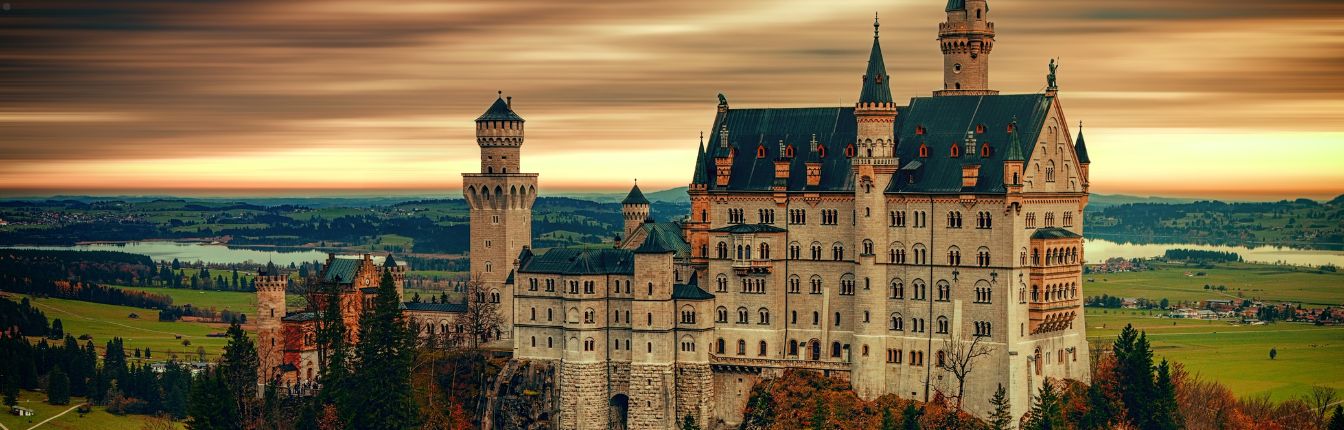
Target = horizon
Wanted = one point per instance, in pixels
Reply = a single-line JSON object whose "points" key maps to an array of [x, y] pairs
{"points": [[142, 97]]}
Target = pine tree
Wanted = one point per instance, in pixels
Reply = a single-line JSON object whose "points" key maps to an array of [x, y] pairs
{"points": [[211, 405], [888, 421], [1166, 413], [334, 353], [57, 329], [1046, 413], [910, 417], [820, 415], [1002, 417], [1134, 371], [239, 369], [1337, 422], [384, 356], [176, 389], [58, 387], [9, 386]]}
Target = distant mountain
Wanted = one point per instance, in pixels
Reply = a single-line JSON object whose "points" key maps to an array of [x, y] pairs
{"points": [[674, 195], [1104, 200]]}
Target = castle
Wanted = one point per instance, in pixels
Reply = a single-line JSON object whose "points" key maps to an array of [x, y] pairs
{"points": [[828, 238]]}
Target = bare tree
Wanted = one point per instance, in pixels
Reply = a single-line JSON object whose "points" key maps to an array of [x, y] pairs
{"points": [[481, 319], [1321, 398], [959, 360]]}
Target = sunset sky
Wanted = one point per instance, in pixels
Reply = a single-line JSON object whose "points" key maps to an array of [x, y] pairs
{"points": [[1211, 98]]}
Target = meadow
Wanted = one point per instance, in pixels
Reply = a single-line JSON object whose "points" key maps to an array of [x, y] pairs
{"points": [[1236, 355], [97, 419], [103, 322], [1178, 282]]}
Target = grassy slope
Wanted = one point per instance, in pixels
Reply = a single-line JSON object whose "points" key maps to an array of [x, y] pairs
{"points": [[104, 322], [1253, 281], [1237, 356], [98, 419]]}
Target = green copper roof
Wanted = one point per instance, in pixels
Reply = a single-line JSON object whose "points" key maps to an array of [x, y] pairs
{"points": [[690, 290], [876, 81], [670, 235], [1014, 145], [499, 111], [700, 176], [635, 197], [1081, 148], [657, 243], [945, 121], [956, 5], [389, 262], [341, 270], [1054, 233], [581, 261], [436, 307]]}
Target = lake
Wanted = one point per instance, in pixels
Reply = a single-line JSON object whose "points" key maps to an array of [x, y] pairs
{"points": [[193, 252], [1095, 251], [1098, 250]]}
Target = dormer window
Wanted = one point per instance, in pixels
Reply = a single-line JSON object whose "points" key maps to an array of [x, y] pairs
{"points": [[849, 151], [1010, 127], [821, 151], [760, 151], [788, 151], [980, 129], [919, 130], [955, 151], [923, 151], [984, 150]]}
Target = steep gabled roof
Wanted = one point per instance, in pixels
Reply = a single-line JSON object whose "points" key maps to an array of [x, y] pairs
{"points": [[341, 270], [945, 122], [669, 234], [701, 175], [834, 128], [690, 290], [655, 243], [876, 81]]}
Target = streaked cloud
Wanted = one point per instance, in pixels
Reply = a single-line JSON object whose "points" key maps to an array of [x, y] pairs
{"points": [[1201, 95]]}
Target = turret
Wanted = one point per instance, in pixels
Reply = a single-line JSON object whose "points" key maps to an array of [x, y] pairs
{"points": [[875, 111], [966, 39], [635, 209], [1080, 148], [499, 133], [270, 284]]}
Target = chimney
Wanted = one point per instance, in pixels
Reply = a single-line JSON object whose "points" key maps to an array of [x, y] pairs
{"points": [[970, 173], [509, 101]]}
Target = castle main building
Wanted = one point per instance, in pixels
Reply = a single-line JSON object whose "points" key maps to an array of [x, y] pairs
{"points": [[867, 242]]}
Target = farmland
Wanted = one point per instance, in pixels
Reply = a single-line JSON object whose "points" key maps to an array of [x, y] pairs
{"points": [[1236, 355], [1264, 282], [103, 322], [97, 419]]}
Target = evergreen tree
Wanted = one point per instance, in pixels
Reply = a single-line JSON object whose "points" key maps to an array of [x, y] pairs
{"points": [[1101, 409], [1047, 413], [176, 390], [910, 417], [57, 329], [384, 356], [689, 423], [211, 406], [820, 415], [1337, 422], [888, 421], [1166, 413], [9, 386], [1002, 417], [239, 369], [334, 353], [1134, 372], [58, 387]]}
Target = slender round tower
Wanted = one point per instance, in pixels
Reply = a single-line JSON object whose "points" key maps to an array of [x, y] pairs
{"points": [[635, 209], [966, 39]]}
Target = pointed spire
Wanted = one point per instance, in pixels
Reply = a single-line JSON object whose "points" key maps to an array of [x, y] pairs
{"points": [[701, 176], [1080, 147], [1014, 144], [876, 87], [635, 197]]}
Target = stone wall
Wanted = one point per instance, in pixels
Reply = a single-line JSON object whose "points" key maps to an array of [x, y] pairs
{"points": [[695, 392], [583, 396], [651, 394]]}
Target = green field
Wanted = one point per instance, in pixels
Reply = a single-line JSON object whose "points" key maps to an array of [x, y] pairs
{"points": [[104, 322], [1236, 355], [97, 419], [1177, 283]]}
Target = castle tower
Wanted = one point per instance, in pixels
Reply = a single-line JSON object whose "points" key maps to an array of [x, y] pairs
{"points": [[500, 198], [635, 209], [874, 165], [966, 39], [652, 358], [270, 285]]}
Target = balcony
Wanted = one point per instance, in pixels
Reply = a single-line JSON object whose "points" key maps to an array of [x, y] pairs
{"points": [[752, 365], [752, 267]]}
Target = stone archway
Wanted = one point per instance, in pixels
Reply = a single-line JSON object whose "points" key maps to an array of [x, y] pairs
{"points": [[618, 412]]}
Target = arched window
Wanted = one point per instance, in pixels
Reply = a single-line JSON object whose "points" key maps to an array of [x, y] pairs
{"points": [[788, 151], [897, 289], [721, 314], [765, 251], [687, 315], [722, 249], [760, 151], [849, 151], [793, 347], [847, 284], [923, 151], [955, 151], [764, 316], [944, 291], [741, 347], [837, 251], [742, 316], [953, 256], [896, 323], [835, 349], [815, 283], [942, 325], [794, 284], [718, 346], [762, 349], [867, 247]]}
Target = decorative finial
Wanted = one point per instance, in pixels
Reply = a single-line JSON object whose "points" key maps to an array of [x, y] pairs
{"points": [[702, 138], [875, 25], [501, 93], [1080, 125]]}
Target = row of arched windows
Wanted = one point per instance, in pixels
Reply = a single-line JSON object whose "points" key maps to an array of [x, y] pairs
{"points": [[1055, 256]]}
